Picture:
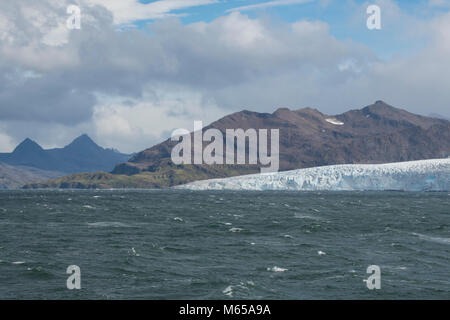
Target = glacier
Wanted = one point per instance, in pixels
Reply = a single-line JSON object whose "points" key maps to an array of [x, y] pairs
{"points": [[422, 175]]}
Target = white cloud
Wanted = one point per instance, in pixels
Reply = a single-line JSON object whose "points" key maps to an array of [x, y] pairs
{"points": [[128, 11], [129, 89], [268, 4], [7, 143], [135, 125], [240, 31], [439, 3]]}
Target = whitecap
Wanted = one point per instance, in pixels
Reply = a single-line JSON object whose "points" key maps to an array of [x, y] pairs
{"points": [[108, 224], [88, 206], [304, 216], [133, 251], [432, 239], [277, 269], [18, 262], [321, 253], [178, 219], [228, 291]]}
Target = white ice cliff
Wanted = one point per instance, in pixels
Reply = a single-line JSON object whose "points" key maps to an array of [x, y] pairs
{"points": [[424, 175]]}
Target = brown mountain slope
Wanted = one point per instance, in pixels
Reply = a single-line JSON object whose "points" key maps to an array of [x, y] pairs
{"points": [[378, 133]]}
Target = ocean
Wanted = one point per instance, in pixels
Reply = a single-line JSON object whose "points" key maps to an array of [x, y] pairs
{"points": [[175, 244]]}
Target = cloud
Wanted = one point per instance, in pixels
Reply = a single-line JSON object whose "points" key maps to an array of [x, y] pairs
{"points": [[129, 11], [150, 121], [7, 143], [128, 89], [439, 3], [269, 4]]}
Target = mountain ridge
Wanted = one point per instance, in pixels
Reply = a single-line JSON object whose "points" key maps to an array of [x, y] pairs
{"points": [[379, 125], [81, 155], [377, 133], [14, 177]]}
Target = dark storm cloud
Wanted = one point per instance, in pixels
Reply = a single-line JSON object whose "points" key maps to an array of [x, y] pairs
{"points": [[45, 98]]}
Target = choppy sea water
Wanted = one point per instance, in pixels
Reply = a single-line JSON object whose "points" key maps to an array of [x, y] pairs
{"points": [[224, 245]]}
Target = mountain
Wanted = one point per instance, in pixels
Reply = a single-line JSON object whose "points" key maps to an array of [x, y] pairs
{"points": [[27, 153], [378, 133], [81, 155], [13, 177], [438, 116], [422, 175]]}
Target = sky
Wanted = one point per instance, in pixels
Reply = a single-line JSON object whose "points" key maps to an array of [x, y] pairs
{"points": [[137, 70]]}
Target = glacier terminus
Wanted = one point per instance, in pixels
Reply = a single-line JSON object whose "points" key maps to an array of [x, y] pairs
{"points": [[423, 175]]}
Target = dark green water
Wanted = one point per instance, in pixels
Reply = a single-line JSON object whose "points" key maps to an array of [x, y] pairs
{"points": [[222, 245]]}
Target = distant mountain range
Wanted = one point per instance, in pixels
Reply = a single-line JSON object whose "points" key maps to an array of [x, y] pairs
{"points": [[29, 162], [378, 133], [81, 155], [14, 177]]}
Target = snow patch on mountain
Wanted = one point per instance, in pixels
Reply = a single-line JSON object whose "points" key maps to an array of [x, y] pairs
{"points": [[335, 122], [424, 175]]}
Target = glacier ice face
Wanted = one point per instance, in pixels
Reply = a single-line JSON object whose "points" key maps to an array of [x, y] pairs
{"points": [[424, 175]]}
